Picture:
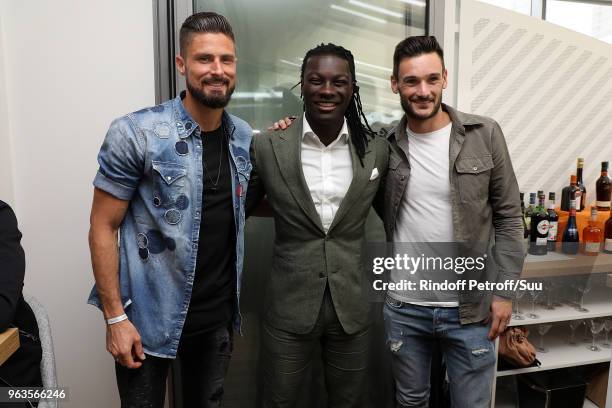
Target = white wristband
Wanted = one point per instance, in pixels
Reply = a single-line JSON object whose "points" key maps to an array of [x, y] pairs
{"points": [[117, 319]]}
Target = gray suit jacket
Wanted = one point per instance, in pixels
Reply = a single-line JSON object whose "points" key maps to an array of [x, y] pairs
{"points": [[305, 259]]}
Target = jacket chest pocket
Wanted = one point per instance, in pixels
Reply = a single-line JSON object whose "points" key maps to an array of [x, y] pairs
{"points": [[474, 174], [169, 183], [397, 179]]}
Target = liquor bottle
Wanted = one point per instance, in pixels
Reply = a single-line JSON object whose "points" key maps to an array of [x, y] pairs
{"points": [[525, 230], [529, 210], [571, 192], [538, 237], [582, 202], [604, 189], [571, 238], [568, 192], [608, 235], [592, 235], [553, 222]]}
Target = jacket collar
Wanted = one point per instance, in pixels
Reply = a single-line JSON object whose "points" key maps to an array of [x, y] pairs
{"points": [[459, 119], [186, 125]]}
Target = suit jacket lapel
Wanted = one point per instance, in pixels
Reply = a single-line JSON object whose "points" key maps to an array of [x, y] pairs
{"points": [[361, 177], [287, 149]]}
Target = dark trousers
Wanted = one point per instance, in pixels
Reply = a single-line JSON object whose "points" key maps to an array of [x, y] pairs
{"points": [[287, 358], [204, 361]]}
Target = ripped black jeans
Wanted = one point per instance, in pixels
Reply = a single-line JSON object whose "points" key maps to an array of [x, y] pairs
{"points": [[204, 360]]}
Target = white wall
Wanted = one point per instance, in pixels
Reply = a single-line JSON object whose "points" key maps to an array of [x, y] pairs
{"points": [[71, 66], [548, 87], [6, 174]]}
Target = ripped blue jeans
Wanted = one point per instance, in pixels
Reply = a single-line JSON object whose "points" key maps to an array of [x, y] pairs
{"points": [[469, 354]]}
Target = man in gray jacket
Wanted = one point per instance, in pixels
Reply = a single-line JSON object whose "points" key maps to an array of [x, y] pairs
{"points": [[320, 177], [450, 180]]}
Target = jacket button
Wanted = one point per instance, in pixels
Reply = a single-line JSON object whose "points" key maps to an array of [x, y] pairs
{"points": [[475, 168], [403, 178]]}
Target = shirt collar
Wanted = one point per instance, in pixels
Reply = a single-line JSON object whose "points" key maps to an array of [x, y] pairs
{"points": [[342, 136]]}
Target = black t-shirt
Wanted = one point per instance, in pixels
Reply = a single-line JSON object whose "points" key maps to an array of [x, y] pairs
{"points": [[213, 295]]}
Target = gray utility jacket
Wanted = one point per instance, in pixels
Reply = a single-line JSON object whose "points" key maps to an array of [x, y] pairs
{"points": [[486, 209]]}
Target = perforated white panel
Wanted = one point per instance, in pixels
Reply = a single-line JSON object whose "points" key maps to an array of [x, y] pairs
{"points": [[549, 88]]}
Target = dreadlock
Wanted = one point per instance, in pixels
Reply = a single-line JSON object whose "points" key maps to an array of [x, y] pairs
{"points": [[360, 131]]}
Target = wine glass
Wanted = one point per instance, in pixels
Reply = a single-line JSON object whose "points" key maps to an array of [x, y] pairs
{"points": [[557, 288], [585, 333], [542, 330], [596, 326], [607, 327], [517, 314], [549, 288], [583, 289], [571, 292], [534, 296], [573, 325]]}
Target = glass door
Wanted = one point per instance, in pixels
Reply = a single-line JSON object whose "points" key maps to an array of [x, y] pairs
{"points": [[272, 36]]}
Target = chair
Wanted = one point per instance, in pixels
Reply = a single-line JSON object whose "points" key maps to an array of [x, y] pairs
{"points": [[47, 364]]}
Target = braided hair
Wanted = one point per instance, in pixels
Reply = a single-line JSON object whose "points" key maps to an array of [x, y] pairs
{"points": [[360, 131]]}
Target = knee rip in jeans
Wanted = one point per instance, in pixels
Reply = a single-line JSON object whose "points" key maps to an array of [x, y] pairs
{"points": [[225, 346], [480, 351], [395, 345], [216, 396]]}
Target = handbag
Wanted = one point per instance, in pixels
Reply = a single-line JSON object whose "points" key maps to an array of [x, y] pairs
{"points": [[516, 349]]}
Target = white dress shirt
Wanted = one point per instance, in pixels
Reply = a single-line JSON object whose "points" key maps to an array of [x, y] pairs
{"points": [[328, 171]]}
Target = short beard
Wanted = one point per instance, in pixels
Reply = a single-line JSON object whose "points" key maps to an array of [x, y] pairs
{"points": [[413, 115], [210, 101]]}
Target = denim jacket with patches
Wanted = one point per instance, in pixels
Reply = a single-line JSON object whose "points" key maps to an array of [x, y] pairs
{"points": [[153, 159]]}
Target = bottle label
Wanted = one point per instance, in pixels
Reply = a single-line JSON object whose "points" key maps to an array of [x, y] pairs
{"points": [[604, 204], [543, 227], [608, 246], [552, 230], [592, 247], [578, 197], [541, 241]]}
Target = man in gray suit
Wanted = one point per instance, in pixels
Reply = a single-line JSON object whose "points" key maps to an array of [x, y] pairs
{"points": [[320, 177]]}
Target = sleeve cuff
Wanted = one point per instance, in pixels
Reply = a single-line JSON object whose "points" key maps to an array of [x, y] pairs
{"points": [[505, 294], [112, 187]]}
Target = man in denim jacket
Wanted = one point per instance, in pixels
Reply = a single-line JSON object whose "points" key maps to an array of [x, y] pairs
{"points": [[172, 180]]}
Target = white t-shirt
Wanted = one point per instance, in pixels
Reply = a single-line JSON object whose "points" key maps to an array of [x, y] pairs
{"points": [[425, 212]]}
